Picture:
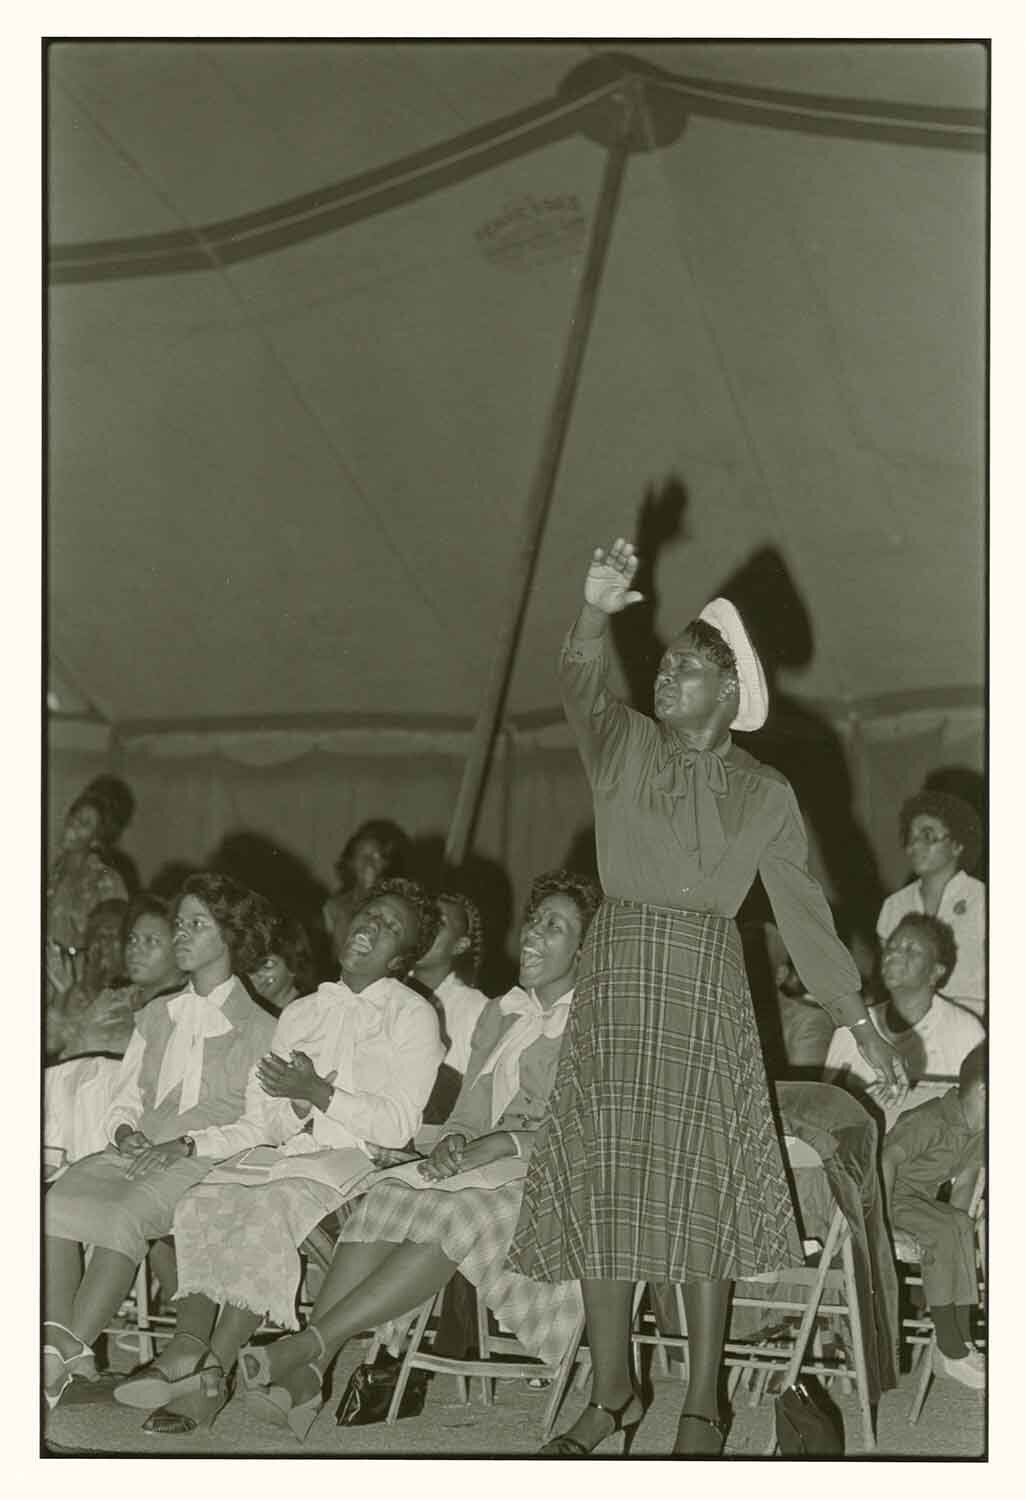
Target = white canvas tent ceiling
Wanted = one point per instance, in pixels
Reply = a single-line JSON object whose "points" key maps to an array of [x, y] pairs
{"points": [[307, 306]]}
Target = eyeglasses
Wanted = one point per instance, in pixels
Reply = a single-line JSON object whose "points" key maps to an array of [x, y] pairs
{"points": [[192, 924], [925, 836]]}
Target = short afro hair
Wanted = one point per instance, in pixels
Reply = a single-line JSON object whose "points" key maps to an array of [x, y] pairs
{"points": [[958, 818], [291, 943], [467, 965], [711, 643], [391, 840], [113, 804], [145, 904], [429, 918], [585, 893], [941, 937], [246, 920]]}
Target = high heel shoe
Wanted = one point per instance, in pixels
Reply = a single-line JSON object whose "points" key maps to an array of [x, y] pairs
{"points": [[254, 1366], [274, 1400], [58, 1367], [713, 1442], [194, 1410], [150, 1387], [565, 1446]]}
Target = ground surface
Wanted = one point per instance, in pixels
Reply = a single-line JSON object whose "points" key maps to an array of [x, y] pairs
{"points": [[951, 1426]]}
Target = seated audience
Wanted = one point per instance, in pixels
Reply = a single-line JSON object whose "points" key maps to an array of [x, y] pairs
{"points": [[288, 970], [937, 1143], [449, 970], [941, 834], [352, 1063], [185, 1068], [932, 1034], [456, 1210], [84, 872], [77, 1090], [76, 982], [805, 1027], [378, 849]]}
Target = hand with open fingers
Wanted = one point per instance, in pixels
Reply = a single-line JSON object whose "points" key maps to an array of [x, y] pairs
{"points": [[131, 1142], [608, 584], [891, 1084], [446, 1159], [158, 1158], [61, 970]]}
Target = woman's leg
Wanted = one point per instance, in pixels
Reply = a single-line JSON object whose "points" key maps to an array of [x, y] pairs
{"points": [[235, 1327], [367, 1284], [195, 1316], [705, 1308], [106, 1282], [607, 1312], [62, 1272]]}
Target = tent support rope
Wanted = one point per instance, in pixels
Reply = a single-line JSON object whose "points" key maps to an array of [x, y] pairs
{"points": [[478, 762]]}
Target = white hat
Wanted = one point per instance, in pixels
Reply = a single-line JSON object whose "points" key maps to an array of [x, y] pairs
{"points": [[753, 705]]}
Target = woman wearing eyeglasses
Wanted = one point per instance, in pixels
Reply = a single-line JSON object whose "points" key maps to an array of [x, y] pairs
{"points": [[185, 1069], [941, 836]]}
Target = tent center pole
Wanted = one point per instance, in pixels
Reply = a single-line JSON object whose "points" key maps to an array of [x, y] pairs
{"points": [[476, 767]]}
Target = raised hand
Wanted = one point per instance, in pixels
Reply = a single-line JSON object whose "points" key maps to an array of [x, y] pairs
{"points": [[608, 584]]}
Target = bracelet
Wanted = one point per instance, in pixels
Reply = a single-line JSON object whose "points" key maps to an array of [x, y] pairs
{"points": [[863, 1021], [516, 1143], [189, 1143]]}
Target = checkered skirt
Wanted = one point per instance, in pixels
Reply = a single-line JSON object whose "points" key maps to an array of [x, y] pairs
{"points": [[473, 1227], [659, 1158]]}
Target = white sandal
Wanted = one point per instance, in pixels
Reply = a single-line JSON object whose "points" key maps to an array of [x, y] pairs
{"points": [[54, 1389]]}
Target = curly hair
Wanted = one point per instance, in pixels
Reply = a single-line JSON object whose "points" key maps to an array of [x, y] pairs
{"points": [[467, 965], [585, 893], [391, 840], [291, 943], [246, 920], [958, 818], [429, 918], [941, 937], [113, 804], [711, 643], [145, 904]]}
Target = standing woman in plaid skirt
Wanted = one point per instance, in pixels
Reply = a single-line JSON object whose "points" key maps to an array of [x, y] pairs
{"points": [[658, 1158]]}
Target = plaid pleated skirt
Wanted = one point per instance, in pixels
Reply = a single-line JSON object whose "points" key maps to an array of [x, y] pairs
{"points": [[659, 1158], [473, 1227]]}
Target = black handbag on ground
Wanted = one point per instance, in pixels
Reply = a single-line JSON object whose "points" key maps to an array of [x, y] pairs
{"points": [[808, 1425], [369, 1391]]}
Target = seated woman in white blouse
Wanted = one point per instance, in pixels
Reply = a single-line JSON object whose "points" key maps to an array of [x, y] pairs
{"points": [[353, 1062], [185, 1068], [408, 1238], [941, 835]]}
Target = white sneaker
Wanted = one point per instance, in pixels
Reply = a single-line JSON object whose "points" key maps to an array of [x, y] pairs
{"points": [[971, 1371]]}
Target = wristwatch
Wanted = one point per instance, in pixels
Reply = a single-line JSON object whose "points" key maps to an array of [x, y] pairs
{"points": [[190, 1145]]}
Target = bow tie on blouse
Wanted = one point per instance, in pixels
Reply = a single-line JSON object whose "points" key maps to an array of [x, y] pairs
{"points": [[699, 776], [193, 1018], [533, 1021]]}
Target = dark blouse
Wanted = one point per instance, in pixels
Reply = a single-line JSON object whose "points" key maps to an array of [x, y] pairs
{"points": [[678, 828]]}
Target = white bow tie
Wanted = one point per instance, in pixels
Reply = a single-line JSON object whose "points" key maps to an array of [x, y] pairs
{"points": [[534, 1020], [193, 1018]]}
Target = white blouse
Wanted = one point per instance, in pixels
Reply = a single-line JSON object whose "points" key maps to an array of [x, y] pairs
{"points": [[384, 1047]]}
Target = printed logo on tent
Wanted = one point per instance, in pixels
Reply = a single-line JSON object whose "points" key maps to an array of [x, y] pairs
{"points": [[531, 231]]}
